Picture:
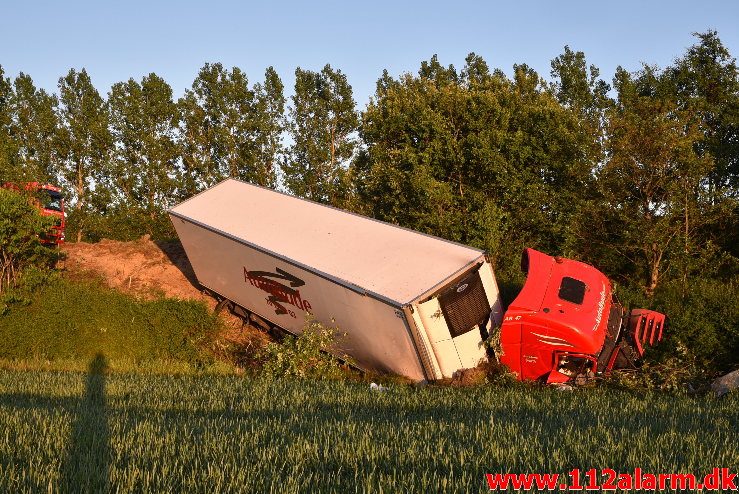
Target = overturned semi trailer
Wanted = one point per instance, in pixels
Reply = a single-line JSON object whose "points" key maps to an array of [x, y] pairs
{"points": [[408, 303]]}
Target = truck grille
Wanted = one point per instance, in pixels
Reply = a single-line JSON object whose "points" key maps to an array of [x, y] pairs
{"points": [[465, 305]]}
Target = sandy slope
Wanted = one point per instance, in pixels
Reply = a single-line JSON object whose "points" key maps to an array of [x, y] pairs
{"points": [[141, 267]]}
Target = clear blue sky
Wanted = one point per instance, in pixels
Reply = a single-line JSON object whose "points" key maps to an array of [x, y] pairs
{"points": [[118, 40]]}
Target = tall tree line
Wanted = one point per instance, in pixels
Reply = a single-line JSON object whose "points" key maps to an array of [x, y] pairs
{"points": [[124, 157], [639, 175]]}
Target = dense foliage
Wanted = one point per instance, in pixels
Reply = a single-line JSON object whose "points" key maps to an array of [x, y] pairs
{"points": [[474, 157], [67, 431], [21, 226], [70, 320], [639, 177], [322, 122], [304, 356]]}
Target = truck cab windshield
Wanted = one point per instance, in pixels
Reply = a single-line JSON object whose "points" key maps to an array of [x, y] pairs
{"points": [[53, 201]]}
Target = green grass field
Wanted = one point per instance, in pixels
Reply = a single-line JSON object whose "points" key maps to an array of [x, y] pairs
{"points": [[93, 432], [67, 323]]}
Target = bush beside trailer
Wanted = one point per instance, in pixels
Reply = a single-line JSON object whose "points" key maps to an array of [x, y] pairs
{"points": [[407, 303]]}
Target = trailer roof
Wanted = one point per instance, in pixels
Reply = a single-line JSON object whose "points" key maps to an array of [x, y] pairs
{"points": [[389, 261]]}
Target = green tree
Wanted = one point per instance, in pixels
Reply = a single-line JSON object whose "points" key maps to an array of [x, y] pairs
{"points": [[650, 182], [322, 123], [230, 129], [413, 169], [473, 157], [20, 228], [270, 125], [35, 128], [8, 147], [668, 206], [144, 121], [84, 144], [706, 80], [579, 88]]}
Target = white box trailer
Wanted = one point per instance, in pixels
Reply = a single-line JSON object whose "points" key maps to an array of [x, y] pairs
{"points": [[408, 303]]}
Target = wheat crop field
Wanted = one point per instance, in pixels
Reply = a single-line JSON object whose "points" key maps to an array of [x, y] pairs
{"points": [[98, 431]]}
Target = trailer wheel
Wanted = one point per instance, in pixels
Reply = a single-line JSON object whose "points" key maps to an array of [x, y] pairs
{"points": [[220, 306], [260, 323]]}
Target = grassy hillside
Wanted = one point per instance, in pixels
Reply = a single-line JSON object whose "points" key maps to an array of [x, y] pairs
{"points": [[159, 433], [73, 321]]}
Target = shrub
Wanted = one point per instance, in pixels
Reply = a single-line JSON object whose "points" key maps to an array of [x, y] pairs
{"points": [[702, 324], [21, 225], [122, 224], [704, 318], [305, 355]]}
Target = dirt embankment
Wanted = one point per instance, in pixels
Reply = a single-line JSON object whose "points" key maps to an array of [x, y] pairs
{"points": [[149, 269], [141, 267]]}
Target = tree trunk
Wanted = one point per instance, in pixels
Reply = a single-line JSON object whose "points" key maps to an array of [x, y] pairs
{"points": [[687, 224], [80, 198], [333, 147], [653, 280], [654, 266]]}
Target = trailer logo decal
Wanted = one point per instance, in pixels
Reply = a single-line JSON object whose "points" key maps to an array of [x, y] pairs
{"points": [[279, 274], [279, 293]]}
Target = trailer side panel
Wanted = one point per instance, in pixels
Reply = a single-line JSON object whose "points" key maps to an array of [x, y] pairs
{"points": [[376, 335]]}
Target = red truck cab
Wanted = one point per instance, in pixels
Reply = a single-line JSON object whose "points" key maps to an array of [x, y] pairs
{"points": [[50, 202], [565, 323]]}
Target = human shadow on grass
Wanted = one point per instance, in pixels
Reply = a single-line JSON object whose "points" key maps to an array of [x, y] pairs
{"points": [[86, 464]]}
